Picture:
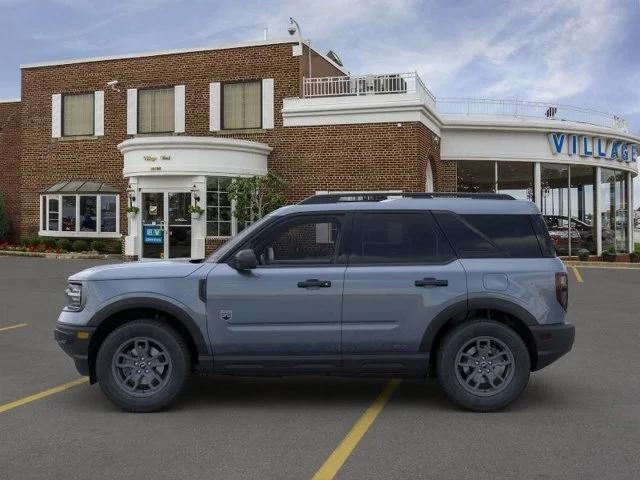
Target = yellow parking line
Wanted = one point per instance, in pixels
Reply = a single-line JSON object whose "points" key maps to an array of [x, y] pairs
{"points": [[11, 327], [45, 393], [335, 461], [577, 274]]}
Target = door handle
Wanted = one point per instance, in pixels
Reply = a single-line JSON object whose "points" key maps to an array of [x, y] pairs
{"points": [[431, 282], [314, 282]]}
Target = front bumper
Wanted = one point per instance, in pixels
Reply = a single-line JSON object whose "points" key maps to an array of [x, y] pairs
{"points": [[74, 340], [552, 342]]}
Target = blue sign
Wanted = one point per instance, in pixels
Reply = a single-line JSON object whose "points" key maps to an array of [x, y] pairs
{"points": [[153, 235], [593, 146]]}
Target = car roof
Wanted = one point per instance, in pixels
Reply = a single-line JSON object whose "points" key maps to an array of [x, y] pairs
{"points": [[467, 206]]}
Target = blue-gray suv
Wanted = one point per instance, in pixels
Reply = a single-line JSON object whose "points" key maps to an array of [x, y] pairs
{"points": [[467, 288]]}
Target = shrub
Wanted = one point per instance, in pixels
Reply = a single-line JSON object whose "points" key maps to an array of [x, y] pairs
{"points": [[4, 221], [80, 246], [65, 244], [50, 243], [115, 247], [610, 254], [634, 257], [583, 254], [30, 241], [98, 246]]}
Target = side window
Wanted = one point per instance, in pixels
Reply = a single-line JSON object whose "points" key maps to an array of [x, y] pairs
{"points": [[301, 241], [468, 241], [513, 234], [391, 237]]}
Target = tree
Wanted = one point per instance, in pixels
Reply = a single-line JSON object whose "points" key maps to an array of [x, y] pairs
{"points": [[4, 221], [255, 197]]}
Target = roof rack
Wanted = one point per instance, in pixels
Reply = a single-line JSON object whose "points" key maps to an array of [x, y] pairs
{"points": [[381, 196]]}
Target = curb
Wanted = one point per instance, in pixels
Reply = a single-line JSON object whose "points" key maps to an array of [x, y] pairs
{"points": [[605, 265], [61, 256]]}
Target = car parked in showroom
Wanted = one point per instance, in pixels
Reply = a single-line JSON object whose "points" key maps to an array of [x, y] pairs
{"points": [[464, 287]]}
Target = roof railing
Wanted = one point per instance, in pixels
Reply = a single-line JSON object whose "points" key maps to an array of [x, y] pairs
{"points": [[346, 197]]}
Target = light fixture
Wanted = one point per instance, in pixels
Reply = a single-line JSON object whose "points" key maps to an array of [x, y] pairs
{"points": [[132, 194], [196, 193]]}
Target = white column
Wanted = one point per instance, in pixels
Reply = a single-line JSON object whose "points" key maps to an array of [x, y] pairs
{"points": [[537, 185], [596, 209], [132, 246], [630, 211], [199, 226]]}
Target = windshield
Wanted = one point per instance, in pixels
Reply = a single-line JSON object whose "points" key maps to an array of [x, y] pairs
{"points": [[237, 240]]}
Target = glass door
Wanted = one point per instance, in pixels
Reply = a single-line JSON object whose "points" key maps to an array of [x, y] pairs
{"points": [[179, 222], [153, 223]]}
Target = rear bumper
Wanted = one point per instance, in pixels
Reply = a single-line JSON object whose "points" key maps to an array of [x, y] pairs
{"points": [[74, 341], [552, 342]]}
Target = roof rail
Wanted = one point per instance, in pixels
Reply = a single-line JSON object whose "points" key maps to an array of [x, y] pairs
{"points": [[381, 196]]}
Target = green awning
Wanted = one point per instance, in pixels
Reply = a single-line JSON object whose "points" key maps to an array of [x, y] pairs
{"points": [[81, 186]]}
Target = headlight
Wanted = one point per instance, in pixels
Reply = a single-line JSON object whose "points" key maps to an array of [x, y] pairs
{"points": [[74, 297]]}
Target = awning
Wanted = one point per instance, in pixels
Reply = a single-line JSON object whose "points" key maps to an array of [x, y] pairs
{"points": [[81, 186]]}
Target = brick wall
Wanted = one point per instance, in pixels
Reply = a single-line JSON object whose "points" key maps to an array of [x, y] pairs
{"points": [[9, 162]]}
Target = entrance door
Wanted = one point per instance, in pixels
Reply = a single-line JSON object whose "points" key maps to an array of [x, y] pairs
{"points": [[166, 225]]}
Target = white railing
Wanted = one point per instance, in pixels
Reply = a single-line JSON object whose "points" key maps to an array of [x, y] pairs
{"points": [[519, 108], [391, 83]]}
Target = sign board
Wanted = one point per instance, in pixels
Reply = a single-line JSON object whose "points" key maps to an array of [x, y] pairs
{"points": [[593, 146], [153, 235]]}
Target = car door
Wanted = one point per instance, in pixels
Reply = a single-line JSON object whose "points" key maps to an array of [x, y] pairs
{"points": [[402, 274], [286, 313]]}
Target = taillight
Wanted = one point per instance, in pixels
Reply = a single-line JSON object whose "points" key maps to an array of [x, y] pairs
{"points": [[562, 289]]}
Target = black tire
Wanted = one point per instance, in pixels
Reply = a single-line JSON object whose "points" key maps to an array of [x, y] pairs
{"points": [[162, 384], [458, 350]]}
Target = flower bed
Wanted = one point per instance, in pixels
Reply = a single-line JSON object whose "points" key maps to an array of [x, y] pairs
{"points": [[51, 245]]}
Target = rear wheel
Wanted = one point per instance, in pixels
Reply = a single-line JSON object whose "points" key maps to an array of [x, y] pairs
{"points": [[143, 366], [483, 365]]}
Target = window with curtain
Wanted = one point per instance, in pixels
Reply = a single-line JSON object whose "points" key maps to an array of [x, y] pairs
{"points": [[156, 110], [242, 105], [77, 114]]}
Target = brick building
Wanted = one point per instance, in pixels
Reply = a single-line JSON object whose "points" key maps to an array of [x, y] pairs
{"points": [[161, 131]]}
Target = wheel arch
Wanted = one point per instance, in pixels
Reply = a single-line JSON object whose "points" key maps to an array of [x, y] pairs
{"points": [[127, 310]]}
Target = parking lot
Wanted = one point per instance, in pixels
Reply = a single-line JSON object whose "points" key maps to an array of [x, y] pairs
{"points": [[579, 418]]}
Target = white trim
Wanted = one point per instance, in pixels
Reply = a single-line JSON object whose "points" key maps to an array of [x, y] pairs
{"points": [[10, 100], [78, 233], [268, 103], [214, 107], [132, 111], [98, 113], [179, 108], [56, 115], [61, 234], [214, 143], [598, 211], [157, 53]]}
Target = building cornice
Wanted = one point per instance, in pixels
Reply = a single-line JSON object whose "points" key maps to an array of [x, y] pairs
{"points": [[200, 143]]}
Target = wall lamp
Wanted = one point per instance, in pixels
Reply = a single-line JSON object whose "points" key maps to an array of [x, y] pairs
{"points": [[196, 193], [132, 194]]}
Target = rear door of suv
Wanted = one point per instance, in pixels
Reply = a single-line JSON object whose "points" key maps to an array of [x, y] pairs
{"points": [[401, 275]]}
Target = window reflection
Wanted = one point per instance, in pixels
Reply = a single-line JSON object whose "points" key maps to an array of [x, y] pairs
{"points": [[476, 177], [582, 198], [516, 179], [614, 210]]}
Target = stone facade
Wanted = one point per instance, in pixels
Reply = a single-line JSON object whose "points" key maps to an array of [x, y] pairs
{"points": [[380, 156]]}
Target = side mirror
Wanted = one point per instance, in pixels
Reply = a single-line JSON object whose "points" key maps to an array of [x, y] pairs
{"points": [[245, 260]]}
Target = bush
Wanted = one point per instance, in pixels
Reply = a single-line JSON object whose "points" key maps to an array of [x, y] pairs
{"points": [[64, 244], [4, 221], [30, 241], [50, 243], [634, 257], [583, 255], [80, 246], [115, 247], [98, 246]]}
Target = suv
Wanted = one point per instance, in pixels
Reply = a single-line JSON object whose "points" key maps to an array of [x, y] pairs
{"points": [[465, 287]]}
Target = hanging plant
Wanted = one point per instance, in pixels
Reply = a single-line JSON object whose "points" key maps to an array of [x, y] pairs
{"points": [[132, 211], [195, 210]]}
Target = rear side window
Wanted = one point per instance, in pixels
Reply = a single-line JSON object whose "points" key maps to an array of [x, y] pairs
{"points": [[390, 237], [491, 236], [540, 227]]}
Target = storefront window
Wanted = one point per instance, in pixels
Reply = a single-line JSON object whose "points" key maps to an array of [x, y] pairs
{"points": [[69, 213], [516, 179], [77, 215], [554, 193], [108, 213], [88, 219], [614, 210], [218, 207], [582, 202], [476, 177]]}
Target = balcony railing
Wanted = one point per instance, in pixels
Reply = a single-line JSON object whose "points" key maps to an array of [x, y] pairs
{"points": [[392, 83], [524, 109]]}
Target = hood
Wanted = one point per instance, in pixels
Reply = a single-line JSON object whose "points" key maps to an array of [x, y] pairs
{"points": [[138, 270]]}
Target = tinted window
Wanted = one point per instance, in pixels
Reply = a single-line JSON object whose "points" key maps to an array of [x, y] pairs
{"points": [[399, 238], [300, 241], [478, 236], [544, 239]]}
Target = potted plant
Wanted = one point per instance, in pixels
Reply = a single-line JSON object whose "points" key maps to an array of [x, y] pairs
{"points": [[583, 255], [132, 211], [196, 211], [610, 254]]}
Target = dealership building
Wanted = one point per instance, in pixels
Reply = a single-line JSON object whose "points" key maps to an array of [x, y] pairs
{"points": [[164, 130]]}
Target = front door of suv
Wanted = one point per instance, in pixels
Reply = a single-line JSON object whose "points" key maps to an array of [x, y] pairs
{"points": [[402, 274], [285, 314]]}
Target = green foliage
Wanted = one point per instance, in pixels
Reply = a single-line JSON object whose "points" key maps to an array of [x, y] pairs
{"points": [[583, 254], [65, 244], [115, 247], [49, 242], [257, 196], [30, 241], [80, 246], [98, 245], [4, 221], [636, 248], [634, 257], [134, 210], [195, 210]]}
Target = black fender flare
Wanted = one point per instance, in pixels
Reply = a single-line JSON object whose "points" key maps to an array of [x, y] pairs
{"points": [[154, 303]]}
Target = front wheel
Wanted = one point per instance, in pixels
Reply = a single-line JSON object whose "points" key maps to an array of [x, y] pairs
{"points": [[143, 366], [483, 365]]}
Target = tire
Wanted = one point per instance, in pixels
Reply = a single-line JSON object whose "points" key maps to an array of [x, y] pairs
{"points": [[502, 377], [138, 383]]}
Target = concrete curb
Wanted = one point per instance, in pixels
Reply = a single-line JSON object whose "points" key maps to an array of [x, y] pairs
{"points": [[610, 265], [61, 256]]}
